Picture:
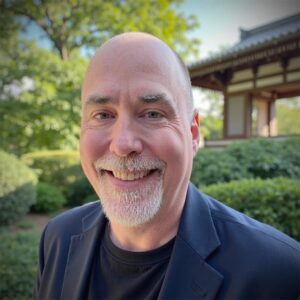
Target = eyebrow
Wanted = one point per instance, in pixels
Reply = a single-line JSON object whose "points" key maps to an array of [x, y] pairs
{"points": [[153, 98], [158, 98], [95, 99]]}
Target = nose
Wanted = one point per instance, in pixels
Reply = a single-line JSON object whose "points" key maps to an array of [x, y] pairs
{"points": [[125, 140]]}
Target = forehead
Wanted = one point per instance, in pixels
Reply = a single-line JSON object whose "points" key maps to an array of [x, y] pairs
{"points": [[147, 62], [135, 69]]}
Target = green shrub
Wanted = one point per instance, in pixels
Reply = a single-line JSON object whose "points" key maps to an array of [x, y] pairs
{"points": [[90, 198], [60, 168], [254, 158], [17, 188], [49, 198], [211, 166], [18, 261], [266, 158], [273, 201], [79, 191]]}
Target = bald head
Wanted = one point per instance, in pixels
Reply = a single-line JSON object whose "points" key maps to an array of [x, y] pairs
{"points": [[148, 53]]}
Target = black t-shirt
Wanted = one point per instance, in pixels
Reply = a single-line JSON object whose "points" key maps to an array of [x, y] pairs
{"points": [[119, 274]]}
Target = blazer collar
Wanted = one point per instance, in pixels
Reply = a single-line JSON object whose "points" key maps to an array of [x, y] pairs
{"points": [[82, 250], [197, 227], [189, 276], [92, 219]]}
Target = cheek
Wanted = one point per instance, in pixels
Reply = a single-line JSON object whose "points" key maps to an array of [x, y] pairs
{"points": [[174, 147], [92, 145]]}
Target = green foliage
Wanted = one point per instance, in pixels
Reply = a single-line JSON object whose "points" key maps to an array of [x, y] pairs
{"points": [[40, 99], [287, 114], [211, 127], [211, 166], [18, 261], [263, 158], [90, 198], [49, 198], [272, 201], [40, 89], [70, 25], [81, 192], [266, 158], [59, 168], [211, 114], [17, 188]]}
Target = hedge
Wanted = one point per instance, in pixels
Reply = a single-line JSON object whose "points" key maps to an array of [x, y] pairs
{"points": [[272, 201], [266, 158], [17, 188], [18, 261], [49, 198], [254, 158], [212, 166], [80, 192], [57, 167]]}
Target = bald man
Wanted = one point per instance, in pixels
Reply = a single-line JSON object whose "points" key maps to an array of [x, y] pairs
{"points": [[152, 235]]}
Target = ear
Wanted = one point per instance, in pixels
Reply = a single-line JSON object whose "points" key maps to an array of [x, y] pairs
{"points": [[195, 132]]}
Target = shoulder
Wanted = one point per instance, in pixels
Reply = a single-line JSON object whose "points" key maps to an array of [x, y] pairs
{"points": [[252, 246], [245, 227], [74, 221], [250, 251], [242, 235]]}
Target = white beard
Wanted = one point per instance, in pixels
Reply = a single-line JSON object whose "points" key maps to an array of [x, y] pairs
{"points": [[131, 208]]}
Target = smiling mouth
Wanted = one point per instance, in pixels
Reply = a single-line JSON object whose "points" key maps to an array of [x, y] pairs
{"points": [[129, 176]]}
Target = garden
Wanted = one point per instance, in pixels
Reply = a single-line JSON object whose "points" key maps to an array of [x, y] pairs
{"points": [[259, 177]]}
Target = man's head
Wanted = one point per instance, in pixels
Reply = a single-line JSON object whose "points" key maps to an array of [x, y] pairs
{"points": [[138, 133]]}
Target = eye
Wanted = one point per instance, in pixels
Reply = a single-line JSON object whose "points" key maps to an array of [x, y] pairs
{"points": [[153, 115], [103, 115]]}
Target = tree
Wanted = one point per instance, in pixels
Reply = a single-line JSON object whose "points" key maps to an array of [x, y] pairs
{"points": [[73, 24], [40, 88], [210, 105], [40, 98], [288, 112]]}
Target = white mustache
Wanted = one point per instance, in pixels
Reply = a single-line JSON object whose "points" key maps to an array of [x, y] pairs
{"points": [[131, 163]]}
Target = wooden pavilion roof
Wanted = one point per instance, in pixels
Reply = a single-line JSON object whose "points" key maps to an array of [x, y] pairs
{"points": [[279, 40]]}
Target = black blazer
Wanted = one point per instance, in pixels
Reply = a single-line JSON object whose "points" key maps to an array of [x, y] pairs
{"points": [[219, 253]]}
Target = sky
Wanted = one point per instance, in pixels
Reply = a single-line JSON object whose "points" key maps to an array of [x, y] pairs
{"points": [[220, 20]]}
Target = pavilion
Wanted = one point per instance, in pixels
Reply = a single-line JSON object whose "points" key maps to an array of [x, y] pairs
{"points": [[262, 67]]}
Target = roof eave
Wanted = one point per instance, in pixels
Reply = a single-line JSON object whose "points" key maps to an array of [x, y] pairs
{"points": [[233, 55]]}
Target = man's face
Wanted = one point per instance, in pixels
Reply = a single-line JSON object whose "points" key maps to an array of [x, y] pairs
{"points": [[136, 137]]}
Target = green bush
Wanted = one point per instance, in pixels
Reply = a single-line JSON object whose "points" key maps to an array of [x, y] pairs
{"points": [[49, 198], [272, 201], [254, 158], [60, 168], [80, 192], [17, 188], [211, 166], [266, 158], [90, 198], [18, 261]]}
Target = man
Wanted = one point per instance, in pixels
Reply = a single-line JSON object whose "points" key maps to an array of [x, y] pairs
{"points": [[154, 236]]}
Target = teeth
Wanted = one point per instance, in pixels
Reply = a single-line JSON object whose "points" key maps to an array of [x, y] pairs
{"points": [[129, 176]]}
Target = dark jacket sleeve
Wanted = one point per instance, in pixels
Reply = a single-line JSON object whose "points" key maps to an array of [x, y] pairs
{"points": [[40, 265]]}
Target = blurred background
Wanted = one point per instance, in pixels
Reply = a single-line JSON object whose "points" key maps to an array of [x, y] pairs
{"points": [[45, 46]]}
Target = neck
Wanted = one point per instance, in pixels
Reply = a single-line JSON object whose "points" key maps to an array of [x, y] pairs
{"points": [[148, 236]]}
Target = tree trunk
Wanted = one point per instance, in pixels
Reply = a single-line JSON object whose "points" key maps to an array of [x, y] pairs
{"points": [[63, 52]]}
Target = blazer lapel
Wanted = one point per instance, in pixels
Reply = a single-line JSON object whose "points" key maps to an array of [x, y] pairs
{"points": [[189, 276], [80, 258]]}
